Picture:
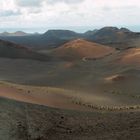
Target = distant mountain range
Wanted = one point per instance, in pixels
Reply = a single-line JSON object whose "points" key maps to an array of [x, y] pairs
{"points": [[121, 38], [112, 36], [67, 44], [18, 33]]}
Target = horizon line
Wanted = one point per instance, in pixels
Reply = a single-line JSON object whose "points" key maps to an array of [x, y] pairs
{"points": [[78, 29]]}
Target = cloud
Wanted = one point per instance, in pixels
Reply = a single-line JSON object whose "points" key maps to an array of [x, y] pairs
{"points": [[64, 1], [29, 3], [61, 13], [8, 13]]}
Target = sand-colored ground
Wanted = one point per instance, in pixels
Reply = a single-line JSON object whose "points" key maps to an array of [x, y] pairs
{"points": [[53, 97], [68, 99]]}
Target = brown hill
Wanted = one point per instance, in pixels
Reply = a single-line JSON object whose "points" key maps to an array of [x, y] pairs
{"points": [[130, 56], [80, 48]]}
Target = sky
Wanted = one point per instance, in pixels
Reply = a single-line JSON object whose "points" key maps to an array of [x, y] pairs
{"points": [[68, 14]]}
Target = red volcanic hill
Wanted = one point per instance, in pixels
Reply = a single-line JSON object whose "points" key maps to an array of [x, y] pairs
{"points": [[81, 48], [12, 50], [130, 56]]}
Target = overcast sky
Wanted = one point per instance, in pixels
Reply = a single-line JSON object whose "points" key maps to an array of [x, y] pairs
{"points": [[64, 13]]}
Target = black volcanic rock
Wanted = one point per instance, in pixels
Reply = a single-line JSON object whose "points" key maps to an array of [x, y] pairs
{"points": [[12, 50]]}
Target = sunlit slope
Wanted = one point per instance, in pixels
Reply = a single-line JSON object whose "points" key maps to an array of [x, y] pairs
{"points": [[78, 49]]}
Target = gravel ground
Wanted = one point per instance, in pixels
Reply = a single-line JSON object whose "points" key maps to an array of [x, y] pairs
{"points": [[22, 121]]}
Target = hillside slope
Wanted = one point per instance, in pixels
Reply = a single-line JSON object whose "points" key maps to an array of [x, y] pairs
{"points": [[120, 38], [12, 50], [79, 48], [130, 56]]}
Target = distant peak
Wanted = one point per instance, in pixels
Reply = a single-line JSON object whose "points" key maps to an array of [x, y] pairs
{"points": [[124, 29], [59, 31], [19, 32], [115, 29], [110, 28]]}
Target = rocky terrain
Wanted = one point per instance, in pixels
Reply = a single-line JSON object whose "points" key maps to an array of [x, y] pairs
{"points": [[120, 38], [65, 85], [22, 121]]}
